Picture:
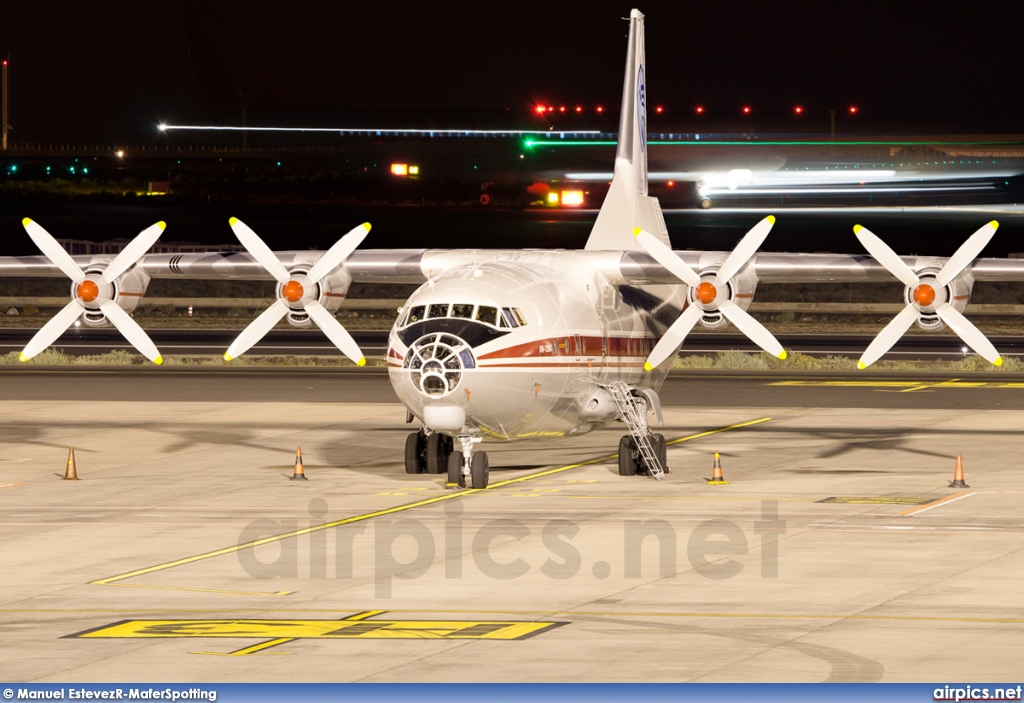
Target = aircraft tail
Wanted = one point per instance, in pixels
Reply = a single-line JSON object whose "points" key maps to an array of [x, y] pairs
{"points": [[627, 204]]}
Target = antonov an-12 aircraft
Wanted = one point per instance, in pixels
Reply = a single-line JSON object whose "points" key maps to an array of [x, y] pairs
{"points": [[501, 345]]}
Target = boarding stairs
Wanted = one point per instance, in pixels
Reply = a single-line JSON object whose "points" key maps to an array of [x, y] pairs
{"points": [[634, 413]]}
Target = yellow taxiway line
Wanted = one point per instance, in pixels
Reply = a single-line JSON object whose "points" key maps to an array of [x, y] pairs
{"points": [[114, 580]]}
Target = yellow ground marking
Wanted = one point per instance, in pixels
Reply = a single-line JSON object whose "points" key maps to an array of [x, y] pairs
{"points": [[879, 500], [937, 503], [536, 613], [259, 647], [112, 580], [204, 590], [904, 386], [281, 631]]}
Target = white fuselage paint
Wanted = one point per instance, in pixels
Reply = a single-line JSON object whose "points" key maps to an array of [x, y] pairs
{"points": [[536, 379]]}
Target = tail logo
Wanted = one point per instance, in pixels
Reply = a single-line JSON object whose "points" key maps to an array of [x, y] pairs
{"points": [[641, 108]]}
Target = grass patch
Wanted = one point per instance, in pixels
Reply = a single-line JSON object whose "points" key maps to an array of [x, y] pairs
{"points": [[737, 360], [727, 360]]}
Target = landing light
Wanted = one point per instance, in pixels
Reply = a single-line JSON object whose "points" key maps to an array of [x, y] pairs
{"points": [[399, 169], [553, 198]]}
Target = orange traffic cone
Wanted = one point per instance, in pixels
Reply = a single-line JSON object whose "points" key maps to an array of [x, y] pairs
{"points": [[71, 472], [716, 473], [300, 473], [958, 475]]}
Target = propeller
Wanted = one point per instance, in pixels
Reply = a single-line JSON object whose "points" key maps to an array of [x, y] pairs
{"points": [[297, 292], [709, 293], [929, 294], [93, 291]]}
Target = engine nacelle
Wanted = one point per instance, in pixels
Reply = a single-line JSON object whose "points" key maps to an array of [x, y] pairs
{"points": [[711, 293], [927, 296], [127, 291], [330, 292]]}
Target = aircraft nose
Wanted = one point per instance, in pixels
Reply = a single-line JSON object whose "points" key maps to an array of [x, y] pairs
{"points": [[437, 363]]}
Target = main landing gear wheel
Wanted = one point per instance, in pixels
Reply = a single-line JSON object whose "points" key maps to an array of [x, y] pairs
{"points": [[438, 448], [455, 460], [661, 448], [480, 468], [414, 444], [627, 456]]}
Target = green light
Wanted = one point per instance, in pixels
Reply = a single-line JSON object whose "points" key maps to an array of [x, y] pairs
{"points": [[85, 169], [773, 143], [14, 168], [278, 163]]}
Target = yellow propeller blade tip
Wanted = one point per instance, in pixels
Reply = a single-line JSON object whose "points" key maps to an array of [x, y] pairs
{"points": [[861, 365], [771, 218], [783, 355], [998, 361], [637, 231], [162, 225], [23, 357], [26, 222], [158, 361], [647, 366], [228, 357], [995, 224], [362, 361], [857, 229], [233, 221], [366, 226]]}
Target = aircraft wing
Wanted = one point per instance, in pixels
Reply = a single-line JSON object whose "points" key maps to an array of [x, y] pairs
{"points": [[418, 265]]}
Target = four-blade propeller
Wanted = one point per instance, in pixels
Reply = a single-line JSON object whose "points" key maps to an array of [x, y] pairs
{"points": [[93, 291], [929, 294], [298, 292], [710, 293]]}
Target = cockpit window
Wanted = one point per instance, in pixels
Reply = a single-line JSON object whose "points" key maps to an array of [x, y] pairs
{"points": [[510, 318], [505, 318], [462, 310], [487, 314]]}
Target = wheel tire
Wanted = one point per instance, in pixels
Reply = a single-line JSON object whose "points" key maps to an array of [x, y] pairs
{"points": [[705, 203], [627, 467], [662, 451], [414, 453], [439, 446], [481, 469], [455, 468]]}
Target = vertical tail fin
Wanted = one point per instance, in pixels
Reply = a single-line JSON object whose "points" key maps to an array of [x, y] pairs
{"points": [[627, 204]]}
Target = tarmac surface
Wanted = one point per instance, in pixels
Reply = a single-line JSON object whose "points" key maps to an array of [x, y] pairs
{"points": [[836, 552]]}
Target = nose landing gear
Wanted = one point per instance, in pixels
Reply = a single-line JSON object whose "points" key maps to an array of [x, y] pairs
{"points": [[434, 453], [465, 463]]}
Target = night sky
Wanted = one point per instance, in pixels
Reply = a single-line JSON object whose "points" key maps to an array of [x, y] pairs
{"points": [[110, 70]]}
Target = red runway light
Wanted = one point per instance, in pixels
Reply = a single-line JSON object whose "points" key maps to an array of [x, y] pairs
{"points": [[659, 109], [746, 110], [798, 110], [853, 109], [579, 109], [562, 109], [600, 109], [539, 109], [700, 109]]}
